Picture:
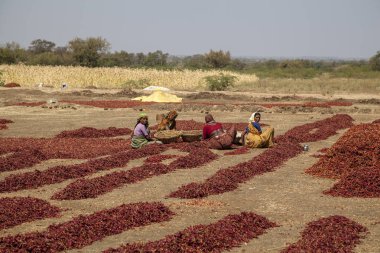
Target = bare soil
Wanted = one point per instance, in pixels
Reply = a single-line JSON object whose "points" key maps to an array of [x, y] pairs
{"points": [[287, 196]]}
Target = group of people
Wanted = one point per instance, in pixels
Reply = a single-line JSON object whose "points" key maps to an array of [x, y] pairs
{"points": [[213, 132]]}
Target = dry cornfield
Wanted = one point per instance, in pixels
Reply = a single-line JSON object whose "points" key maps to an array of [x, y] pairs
{"points": [[81, 77]]}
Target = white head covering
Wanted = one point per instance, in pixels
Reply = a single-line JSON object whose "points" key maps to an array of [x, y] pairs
{"points": [[252, 118]]}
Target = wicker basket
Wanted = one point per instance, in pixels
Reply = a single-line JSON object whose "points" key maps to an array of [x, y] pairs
{"points": [[167, 136], [190, 136]]}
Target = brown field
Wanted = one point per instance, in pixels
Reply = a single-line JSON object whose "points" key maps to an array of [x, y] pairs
{"points": [[286, 196]]}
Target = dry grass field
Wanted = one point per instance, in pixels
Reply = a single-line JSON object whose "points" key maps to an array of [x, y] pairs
{"points": [[324, 86], [82, 77], [186, 80]]}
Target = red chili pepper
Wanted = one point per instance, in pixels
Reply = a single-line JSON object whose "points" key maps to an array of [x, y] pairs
{"points": [[331, 234], [17, 210], [355, 160], [223, 235], [85, 229], [90, 132]]}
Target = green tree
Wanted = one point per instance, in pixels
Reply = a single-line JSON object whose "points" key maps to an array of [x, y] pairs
{"points": [[157, 58], [237, 64], [119, 59], [195, 62], [12, 53], [48, 59], [87, 52], [7, 56], [41, 46], [140, 59], [374, 62], [218, 59], [64, 56]]}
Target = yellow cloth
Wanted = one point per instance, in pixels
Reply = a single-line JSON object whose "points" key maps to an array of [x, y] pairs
{"points": [[159, 96], [256, 140]]}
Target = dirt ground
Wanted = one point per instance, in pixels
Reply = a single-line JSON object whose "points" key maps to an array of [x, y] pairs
{"points": [[287, 196]]}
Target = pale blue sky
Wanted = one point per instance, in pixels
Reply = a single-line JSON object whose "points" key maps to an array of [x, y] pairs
{"points": [[261, 28]]}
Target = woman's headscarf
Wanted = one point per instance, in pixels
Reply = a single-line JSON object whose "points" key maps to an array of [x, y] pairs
{"points": [[172, 115], [142, 115], [209, 118], [252, 118]]}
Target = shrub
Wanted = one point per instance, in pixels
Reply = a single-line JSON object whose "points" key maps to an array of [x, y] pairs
{"points": [[220, 82], [374, 62]]}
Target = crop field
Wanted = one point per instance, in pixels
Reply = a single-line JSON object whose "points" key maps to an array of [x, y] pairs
{"points": [[82, 77], [70, 182], [186, 80]]}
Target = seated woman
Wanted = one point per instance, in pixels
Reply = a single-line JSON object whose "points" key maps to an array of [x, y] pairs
{"points": [[141, 133], [255, 137], [216, 136], [168, 121]]}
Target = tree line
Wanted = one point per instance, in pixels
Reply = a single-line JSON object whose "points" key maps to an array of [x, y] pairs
{"points": [[95, 52]]}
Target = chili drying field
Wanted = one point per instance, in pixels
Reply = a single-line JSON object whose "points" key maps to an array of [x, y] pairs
{"points": [[69, 180]]}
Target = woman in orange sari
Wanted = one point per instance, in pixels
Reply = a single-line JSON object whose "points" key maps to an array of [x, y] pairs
{"points": [[255, 137]]}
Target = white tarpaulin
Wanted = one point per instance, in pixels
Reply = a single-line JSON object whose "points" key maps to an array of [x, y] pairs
{"points": [[156, 88]]}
